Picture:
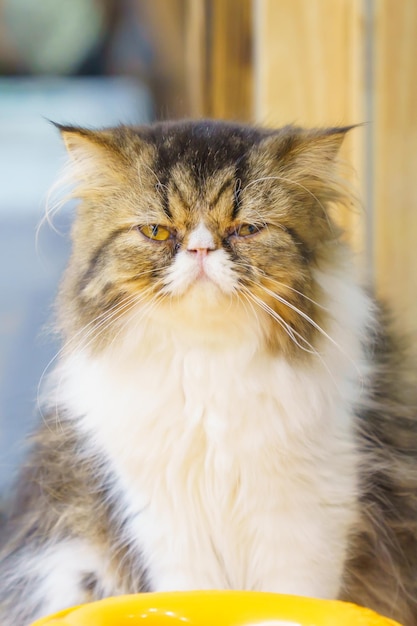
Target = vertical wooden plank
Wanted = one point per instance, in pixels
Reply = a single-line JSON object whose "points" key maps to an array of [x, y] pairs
{"points": [[163, 22], [231, 60], [219, 58], [309, 71], [395, 188], [196, 55], [308, 59]]}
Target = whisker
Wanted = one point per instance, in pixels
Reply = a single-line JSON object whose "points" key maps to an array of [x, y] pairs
{"points": [[290, 288], [261, 273], [128, 304], [250, 301], [70, 341], [121, 312], [104, 324], [102, 318], [144, 311], [318, 328], [95, 329], [314, 325], [291, 332], [301, 313]]}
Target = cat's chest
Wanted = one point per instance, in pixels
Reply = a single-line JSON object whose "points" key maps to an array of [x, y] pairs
{"points": [[220, 455], [218, 399], [214, 413]]}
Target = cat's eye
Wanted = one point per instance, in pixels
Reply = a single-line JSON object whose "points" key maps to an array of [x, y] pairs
{"points": [[155, 232], [246, 230]]}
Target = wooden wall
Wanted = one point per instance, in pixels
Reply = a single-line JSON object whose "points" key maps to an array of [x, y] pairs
{"points": [[394, 146], [350, 61]]}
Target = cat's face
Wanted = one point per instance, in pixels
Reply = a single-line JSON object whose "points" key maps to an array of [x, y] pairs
{"points": [[196, 217]]}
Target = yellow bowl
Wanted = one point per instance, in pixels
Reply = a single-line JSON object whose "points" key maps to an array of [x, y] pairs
{"points": [[215, 608]]}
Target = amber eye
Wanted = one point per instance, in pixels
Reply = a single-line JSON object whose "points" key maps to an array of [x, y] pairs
{"points": [[155, 232], [246, 230]]}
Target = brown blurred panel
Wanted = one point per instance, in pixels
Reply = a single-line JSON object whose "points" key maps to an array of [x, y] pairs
{"points": [[219, 58], [202, 50], [395, 150], [308, 54], [164, 24]]}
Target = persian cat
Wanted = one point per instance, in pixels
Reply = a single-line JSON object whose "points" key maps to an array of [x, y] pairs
{"points": [[229, 409]]}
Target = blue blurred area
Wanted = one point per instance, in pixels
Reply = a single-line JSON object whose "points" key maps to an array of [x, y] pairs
{"points": [[31, 156]]}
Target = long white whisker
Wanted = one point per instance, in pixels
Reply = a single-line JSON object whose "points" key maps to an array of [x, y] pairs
{"points": [[71, 340], [291, 332], [307, 318], [95, 330], [250, 303], [99, 318], [93, 325], [104, 324], [128, 304], [261, 273], [290, 288], [140, 314], [300, 312], [316, 326]]}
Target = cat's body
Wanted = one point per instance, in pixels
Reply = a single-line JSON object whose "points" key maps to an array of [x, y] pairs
{"points": [[227, 411]]}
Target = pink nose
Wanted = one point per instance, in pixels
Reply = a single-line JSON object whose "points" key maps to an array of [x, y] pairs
{"points": [[201, 241], [199, 252]]}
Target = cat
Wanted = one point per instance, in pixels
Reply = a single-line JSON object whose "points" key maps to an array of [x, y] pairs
{"points": [[230, 409]]}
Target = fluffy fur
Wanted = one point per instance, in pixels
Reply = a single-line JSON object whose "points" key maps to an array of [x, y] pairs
{"points": [[228, 409]]}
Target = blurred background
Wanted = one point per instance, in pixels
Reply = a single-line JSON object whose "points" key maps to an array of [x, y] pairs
{"points": [[101, 62]]}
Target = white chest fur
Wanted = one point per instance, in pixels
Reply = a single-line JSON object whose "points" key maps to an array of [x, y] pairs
{"points": [[239, 470]]}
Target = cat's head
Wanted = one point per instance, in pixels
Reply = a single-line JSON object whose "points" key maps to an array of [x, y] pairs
{"points": [[195, 219]]}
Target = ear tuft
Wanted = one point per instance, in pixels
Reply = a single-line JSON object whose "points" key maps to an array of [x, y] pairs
{"points": [[96, 163], [306, 162], [291, 144], [79, 140], [327, 141]]}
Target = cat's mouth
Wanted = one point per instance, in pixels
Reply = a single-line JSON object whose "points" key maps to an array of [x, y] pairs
{"points": [[202, 273]]}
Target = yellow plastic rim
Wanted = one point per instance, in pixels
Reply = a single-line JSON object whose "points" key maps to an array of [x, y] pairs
{"points": [[215, 608]]}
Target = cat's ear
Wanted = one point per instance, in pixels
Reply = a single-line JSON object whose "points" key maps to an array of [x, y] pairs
{"points": [[307, 159], [95, 156], [306, 149], [80, 141], [306, 163]]}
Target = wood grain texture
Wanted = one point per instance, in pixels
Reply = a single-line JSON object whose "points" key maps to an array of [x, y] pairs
{"points": [[196, 55], [395, 131], [309, 71], [219, 58], [307, 61]]}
